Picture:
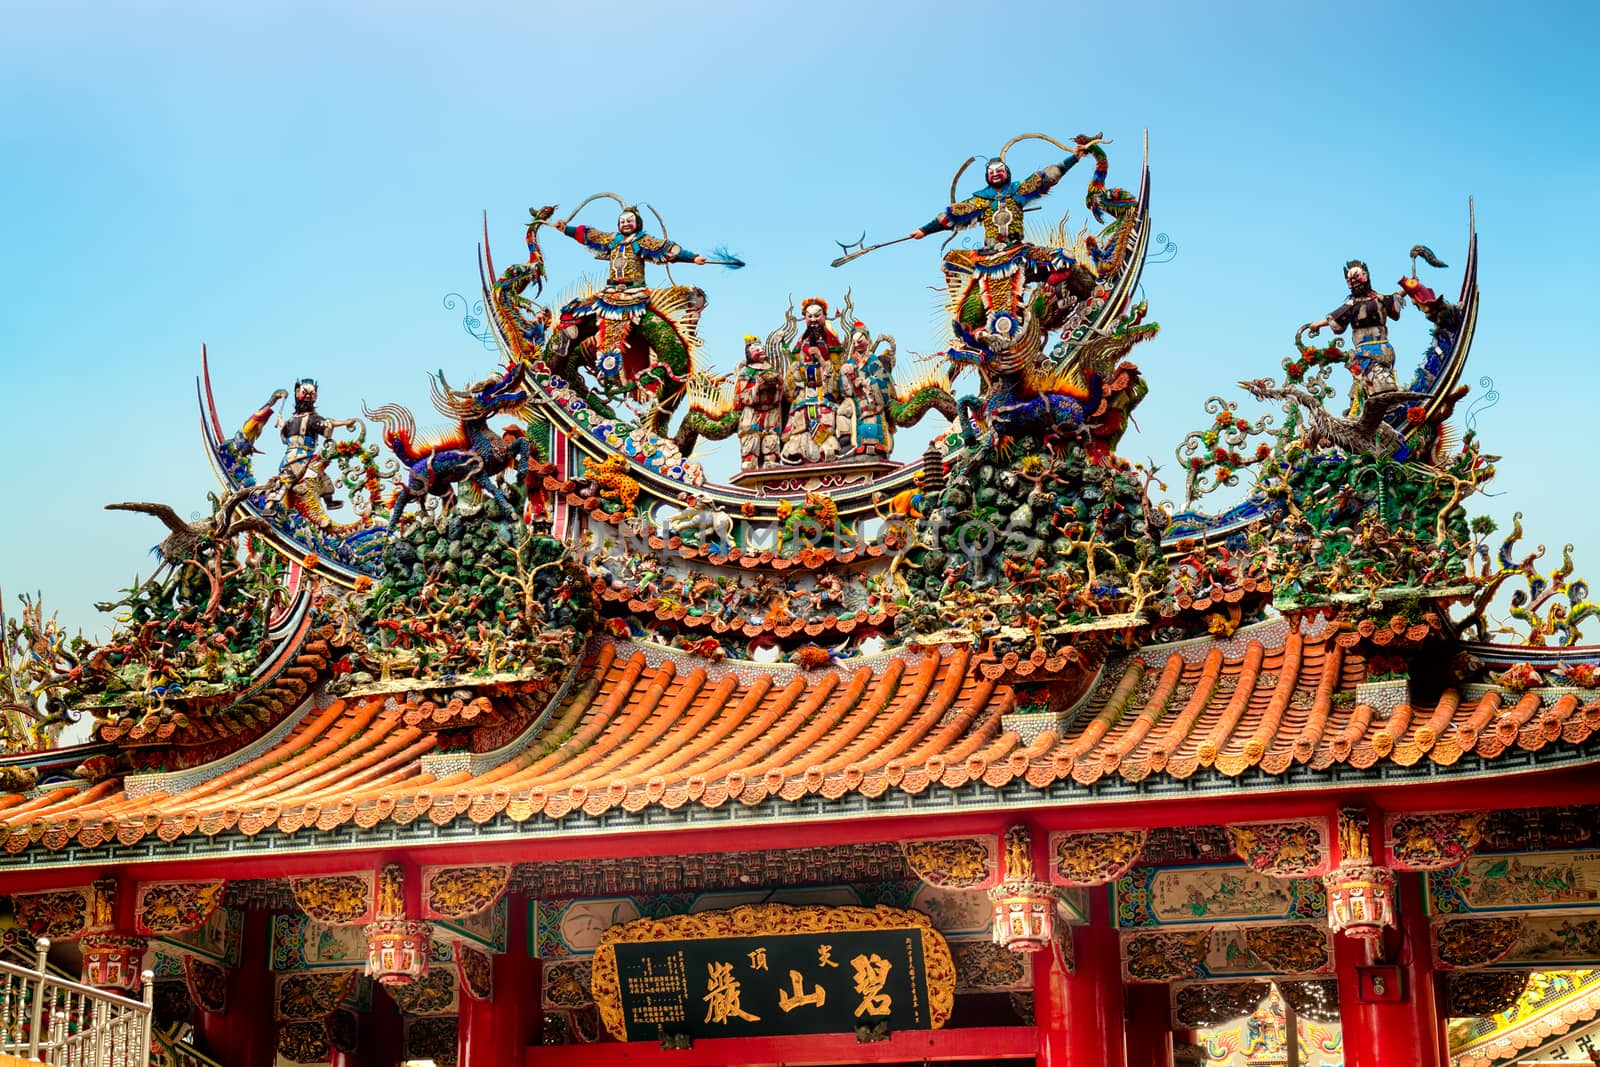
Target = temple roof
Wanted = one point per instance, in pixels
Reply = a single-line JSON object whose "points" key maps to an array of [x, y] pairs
{"points": [[642, 736]]}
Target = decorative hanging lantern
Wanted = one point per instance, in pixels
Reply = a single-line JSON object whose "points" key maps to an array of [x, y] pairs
{"points": [[113, 961], [397, 950], [1024, 915], [1360, 899]]}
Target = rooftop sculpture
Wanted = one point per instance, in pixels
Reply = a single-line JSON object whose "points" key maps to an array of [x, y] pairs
{"points": [[565, 508]]}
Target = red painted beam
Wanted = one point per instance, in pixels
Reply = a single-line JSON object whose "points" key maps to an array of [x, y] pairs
{"points": [[1574, 786], [987, 1043]]}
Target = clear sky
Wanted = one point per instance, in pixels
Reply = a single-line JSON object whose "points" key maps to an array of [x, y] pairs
{"points": [[299, 186]]}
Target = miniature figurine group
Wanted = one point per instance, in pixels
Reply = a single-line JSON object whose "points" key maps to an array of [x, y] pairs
{"points": [[830, 402]]}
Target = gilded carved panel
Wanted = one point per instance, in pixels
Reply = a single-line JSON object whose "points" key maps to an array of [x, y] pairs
{"points": [[1094, 857], [164, 908], [1433, 841], [954, 862], [458, 892], [60, 915], [338, 899], [1294, 849]]}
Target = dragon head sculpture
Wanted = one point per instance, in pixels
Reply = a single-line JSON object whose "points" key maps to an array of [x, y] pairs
{"points": [[501, 394]]}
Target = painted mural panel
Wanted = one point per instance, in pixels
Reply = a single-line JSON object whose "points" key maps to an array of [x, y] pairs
{"points": [[1206, 896], [302, 943], [217, 939], [486, 929], [955, 912], [1548, 941], [1517, 881]]}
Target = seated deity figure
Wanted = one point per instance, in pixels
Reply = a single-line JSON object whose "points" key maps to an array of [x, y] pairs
{"points": [[759, 397], [810, 433]]}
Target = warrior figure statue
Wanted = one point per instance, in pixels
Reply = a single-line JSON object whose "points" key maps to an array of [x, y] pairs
{"points": [[624, 306], [303, 433], [988, 284], [1366, 314], [873, 394]]}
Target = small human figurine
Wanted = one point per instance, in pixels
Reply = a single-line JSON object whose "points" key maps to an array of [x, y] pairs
{"points": [[1366, 314], [1018, 859], [302, 434], [759, 397], [852, 382], [875, 427]]}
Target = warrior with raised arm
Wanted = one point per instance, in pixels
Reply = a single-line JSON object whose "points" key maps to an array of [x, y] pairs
{"points": [[303, 433], [989, 285], [998, 206], [624, 302], [1366, 314]]}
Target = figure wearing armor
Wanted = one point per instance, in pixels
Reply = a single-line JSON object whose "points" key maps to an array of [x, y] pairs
{"points": [[853, 386], [808, 435], [1366, 314], [874, 430], [991, 280], [999, 205], [624, 302], [303, 433]]}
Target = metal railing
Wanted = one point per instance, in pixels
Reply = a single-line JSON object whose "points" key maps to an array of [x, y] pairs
{"points": [[51, 1020]]}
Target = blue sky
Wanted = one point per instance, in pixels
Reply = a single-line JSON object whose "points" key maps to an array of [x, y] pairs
{"points": [[299, 187]]}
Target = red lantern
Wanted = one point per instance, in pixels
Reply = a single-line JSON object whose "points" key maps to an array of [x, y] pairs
{"points": [[113, 961], [1024, 915], [397, 950], [1360, 899]]}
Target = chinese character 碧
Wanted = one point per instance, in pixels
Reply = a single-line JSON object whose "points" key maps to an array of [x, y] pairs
{"points": [[871, 972]]}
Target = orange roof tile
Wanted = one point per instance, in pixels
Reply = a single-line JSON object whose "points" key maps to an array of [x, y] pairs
{"points": [[646, 727]]}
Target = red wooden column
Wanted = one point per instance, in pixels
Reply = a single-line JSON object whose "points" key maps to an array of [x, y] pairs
{"points": [[1094, 995], [1050, 973], [1148, 1031], [1050, 1008], [382, 1036], [244, 1035], [1392, 1033], [497, 1032]]}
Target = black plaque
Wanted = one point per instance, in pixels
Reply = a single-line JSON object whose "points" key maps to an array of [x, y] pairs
{"points": [[803, 983]]}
